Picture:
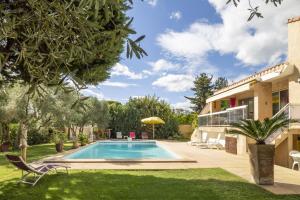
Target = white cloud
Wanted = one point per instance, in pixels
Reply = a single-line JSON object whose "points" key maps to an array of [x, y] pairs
{"points": [[186, 105], [175, 82], [147, 72], [152, 3], [117, 84], [176, 15], [123, 70], [253, 43], [89, 92], [163, 65]]}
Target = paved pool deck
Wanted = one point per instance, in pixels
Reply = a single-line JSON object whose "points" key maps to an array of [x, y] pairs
{"points": [[287, 181]]}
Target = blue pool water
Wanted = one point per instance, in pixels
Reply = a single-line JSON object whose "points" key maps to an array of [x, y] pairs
{"points": [[123, 150]]}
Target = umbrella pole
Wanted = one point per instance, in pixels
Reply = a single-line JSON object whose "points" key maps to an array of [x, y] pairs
{"points": [[153, 130]]}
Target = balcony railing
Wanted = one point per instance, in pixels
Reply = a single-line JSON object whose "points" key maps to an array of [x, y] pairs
{"points": [[224, 118], [293, 114]]}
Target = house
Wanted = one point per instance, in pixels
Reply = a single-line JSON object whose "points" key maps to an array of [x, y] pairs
{"points": [[273, 90]]}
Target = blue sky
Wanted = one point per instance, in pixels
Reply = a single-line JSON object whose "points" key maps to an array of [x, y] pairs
{"points": [[187, 37]]}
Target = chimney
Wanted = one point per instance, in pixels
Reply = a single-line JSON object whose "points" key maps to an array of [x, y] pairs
{"points": [[294, 41]]}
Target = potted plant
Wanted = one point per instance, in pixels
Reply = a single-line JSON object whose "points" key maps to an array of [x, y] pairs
{"points": [[59, 138], [261, 154], [83, 139]]}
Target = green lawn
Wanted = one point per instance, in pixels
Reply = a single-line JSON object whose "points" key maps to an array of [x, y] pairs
{"points": [[122, 184]]}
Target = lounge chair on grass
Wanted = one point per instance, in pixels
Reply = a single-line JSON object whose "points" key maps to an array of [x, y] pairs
{"points": [[37, 172]]}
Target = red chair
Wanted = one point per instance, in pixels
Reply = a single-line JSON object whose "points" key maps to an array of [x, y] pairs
{"points": [[132, 135]]}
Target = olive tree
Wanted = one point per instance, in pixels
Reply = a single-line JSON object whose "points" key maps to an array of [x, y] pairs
{"points": [[55, 42]]}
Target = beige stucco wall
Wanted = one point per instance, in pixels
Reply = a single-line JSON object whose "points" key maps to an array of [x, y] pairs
{"points": [[294, 43], [281, 154], [262, 101], [244, 95], [280, 85], [294, 59], [185, 130]]}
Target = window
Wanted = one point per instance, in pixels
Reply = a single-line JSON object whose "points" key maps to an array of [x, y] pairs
{"points": [[284, 98], [279, 100], [250, 103], [275, 102]]}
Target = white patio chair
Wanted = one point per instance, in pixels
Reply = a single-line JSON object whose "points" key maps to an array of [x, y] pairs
{"points": [[296, 158]]}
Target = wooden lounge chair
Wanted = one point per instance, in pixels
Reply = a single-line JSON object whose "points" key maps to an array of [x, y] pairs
{"points": [[38, 172]]}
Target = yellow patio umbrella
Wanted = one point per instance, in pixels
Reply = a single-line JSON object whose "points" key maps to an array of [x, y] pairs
{"points": [[153, 121]]}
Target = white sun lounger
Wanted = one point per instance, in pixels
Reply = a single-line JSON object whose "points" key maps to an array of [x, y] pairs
{"points": [[198, 139], [213, 143], [119, 135]]}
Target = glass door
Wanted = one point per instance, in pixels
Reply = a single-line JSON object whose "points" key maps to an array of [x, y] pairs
{"points": [[250, 103], [279, 100]]}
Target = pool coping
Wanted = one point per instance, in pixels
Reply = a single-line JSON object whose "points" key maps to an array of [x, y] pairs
{"points": [[60, 157]]}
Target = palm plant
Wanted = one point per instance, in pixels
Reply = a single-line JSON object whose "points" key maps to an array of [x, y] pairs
{"points": [[260, 130]]}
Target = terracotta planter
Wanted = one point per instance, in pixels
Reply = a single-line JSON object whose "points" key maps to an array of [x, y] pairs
{"points": [[59, 147], [262, 163], [5, 147]]}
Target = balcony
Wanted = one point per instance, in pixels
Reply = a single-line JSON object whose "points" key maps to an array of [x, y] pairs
{"points": [[223, 118]]}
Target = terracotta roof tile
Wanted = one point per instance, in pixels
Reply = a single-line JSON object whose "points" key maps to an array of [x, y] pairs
{"points": [[294, 19], [268, 70]]}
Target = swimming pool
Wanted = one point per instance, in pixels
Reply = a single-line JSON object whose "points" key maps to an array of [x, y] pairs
{"points": [[123, 150]]}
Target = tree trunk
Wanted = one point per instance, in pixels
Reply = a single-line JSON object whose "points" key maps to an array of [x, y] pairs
{"points": [[81, 129], [1, 134], [69, 133], [23, 139]]}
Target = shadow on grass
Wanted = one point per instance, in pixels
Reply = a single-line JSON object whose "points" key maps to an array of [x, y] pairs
{"points": [[120, 184]]}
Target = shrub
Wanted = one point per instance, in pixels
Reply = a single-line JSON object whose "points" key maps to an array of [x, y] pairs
{"points": [[83, 139], [126, 118], [59, 137], [14, 134], [39, 136], [186, 118]]}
